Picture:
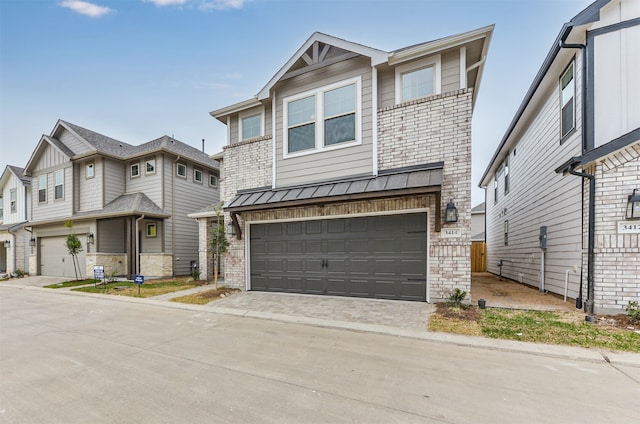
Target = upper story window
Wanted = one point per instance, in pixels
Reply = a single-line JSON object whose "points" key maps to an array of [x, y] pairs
{"points": [[89, 171], [567, 101], [181, 170], [135, 170], [13, 200], [506, 174], [150, 166], [42, 188], [213, 180], [1, 207], [324, 118], [418, 79], [495, 189], [58, 189], [197, 176], [506, 233], [250, 126]]}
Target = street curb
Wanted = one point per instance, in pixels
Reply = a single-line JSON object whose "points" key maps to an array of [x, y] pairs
{"points": [[628, 359]]}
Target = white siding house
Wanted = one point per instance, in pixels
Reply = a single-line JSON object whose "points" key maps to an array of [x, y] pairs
{"points": [[15, 212], [558, 186]]}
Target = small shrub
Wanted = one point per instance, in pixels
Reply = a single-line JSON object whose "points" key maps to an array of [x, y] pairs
{"points": [[19, 273], [195, 273], [456, 297], [633, 309]]}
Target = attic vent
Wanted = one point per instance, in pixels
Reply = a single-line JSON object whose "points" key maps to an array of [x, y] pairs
{"points": [[120, 145]]}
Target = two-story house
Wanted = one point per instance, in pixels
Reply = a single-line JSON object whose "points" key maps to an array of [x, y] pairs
{"points": [[563, 187], [128, 204], [349, 172], [15, 212]]}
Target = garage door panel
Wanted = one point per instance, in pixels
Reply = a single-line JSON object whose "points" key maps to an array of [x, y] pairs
{"points": [[364, 257], [56, 261]]}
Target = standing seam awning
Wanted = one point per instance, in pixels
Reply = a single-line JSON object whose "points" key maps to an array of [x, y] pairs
{"points": [[420, 179]]}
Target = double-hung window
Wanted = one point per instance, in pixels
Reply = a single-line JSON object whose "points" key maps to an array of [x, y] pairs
{"points": [[567, 102], [325, 118], [197, 176], [1, 207], [42, 188], [150, 166], [14, 200], [181, 170], [506, 174], [58, 189]]}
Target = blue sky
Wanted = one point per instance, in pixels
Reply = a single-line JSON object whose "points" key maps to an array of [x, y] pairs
{"points": [[139, 69]]}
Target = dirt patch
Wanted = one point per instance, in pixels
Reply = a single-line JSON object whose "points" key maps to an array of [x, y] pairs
{"points": [[218, 293], [505, 293]]}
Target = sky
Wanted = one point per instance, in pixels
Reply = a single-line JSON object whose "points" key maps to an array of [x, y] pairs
{"points": [[135, 70]]}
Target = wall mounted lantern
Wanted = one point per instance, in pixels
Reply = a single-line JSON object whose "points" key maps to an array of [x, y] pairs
{"points": [[7, 244], [32, 242], [633, 206], [451, 213], [90, 239], [231, 229]]}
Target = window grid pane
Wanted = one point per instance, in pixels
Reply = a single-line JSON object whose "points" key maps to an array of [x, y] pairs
{"points": [[302, 138], [340, 101], [301, 111], [417, 84], [340, 129], [251, 127]]}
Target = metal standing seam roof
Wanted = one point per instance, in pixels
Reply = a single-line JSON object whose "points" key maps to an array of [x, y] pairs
{"points": [[412, 180]]}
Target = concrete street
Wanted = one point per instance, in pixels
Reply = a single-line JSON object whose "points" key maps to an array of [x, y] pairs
{"points": [[68, 358]]}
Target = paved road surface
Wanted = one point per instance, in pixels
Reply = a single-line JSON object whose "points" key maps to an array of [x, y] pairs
{"points": [[76, 359]]}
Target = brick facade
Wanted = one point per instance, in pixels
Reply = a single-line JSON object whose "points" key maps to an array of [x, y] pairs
{"points": [[433, 129], [616, 256]]}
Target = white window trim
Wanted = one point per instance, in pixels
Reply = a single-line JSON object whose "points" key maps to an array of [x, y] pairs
{"points": [[155, 166], [131, 165], [434, 61], [216, 181], [178, 165], [93, 168], [55, 198], [571, 65], [42, 188], [13, 200], [319, 121], [250, 114], [195, 170]]}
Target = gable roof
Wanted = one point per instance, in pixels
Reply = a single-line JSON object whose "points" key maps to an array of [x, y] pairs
{"points": [[589, 15], [377, 57], [18, 172], [101, 144]]}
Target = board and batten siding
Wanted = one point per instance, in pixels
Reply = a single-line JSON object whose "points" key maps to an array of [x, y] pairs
{"points": [[616, 84], [89, 190], [22, 202], [114, 176], [538, 197], [330, 164], [50, 158]]}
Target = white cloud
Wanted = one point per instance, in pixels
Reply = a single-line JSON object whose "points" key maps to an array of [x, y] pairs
{"points": [[161, 3], [85, 8], [222, 4]]}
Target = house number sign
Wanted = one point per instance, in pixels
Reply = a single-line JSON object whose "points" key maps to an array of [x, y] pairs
{"points": [[626, 227], [451, 232]]}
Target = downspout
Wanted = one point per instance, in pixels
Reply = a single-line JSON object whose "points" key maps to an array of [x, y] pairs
{"points": [[15, 248], [589, 305], [137, 231], [173, 217]]}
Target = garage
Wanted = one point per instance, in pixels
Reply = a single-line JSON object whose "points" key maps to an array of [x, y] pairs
{"points": [[56, 261], [381, 256]]}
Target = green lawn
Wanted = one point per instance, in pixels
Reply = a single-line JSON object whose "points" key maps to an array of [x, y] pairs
{"points": [[148, 289], [71, 283]]}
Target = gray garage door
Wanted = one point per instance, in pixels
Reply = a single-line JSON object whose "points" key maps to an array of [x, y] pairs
{"points": [[377, 257], [56, 261]]}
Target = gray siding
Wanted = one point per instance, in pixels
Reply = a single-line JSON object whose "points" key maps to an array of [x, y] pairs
{"points": [[50, 158], [354, 160], [54, 208], [386, 87], [114, 181], [111, 236], [235, 120], [76, 145], [89, 190], [450, 79], [538, 197], [151, 185]]}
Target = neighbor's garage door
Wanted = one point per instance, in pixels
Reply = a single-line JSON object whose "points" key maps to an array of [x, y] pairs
{"points": [[56, 261], [377, 256]]}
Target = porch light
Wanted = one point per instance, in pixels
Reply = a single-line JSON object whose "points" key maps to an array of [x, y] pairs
{"points": [[451, 213], [633, 206], [90, 238], [231, 229], [32, 242], [7, 244]]}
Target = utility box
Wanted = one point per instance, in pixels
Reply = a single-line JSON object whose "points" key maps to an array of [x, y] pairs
{"points": [[543, 237]]}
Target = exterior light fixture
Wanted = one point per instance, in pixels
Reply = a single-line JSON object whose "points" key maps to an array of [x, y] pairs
{"points": [[7, 244], [451, 213], [90, 239], [633, 206], [32, 242], [231, 229]]}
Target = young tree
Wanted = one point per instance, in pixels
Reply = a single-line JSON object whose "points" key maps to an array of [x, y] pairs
{"points": [[218, 241], [74, 246]]}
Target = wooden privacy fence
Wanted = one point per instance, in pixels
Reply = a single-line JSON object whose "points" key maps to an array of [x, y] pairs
{"points": [[478, 256]]}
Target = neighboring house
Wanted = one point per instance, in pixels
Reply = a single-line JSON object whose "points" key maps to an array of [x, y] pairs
{"points": [[128, 204], [478, 246], [559, 184], [15, 211], [338, 172]]}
